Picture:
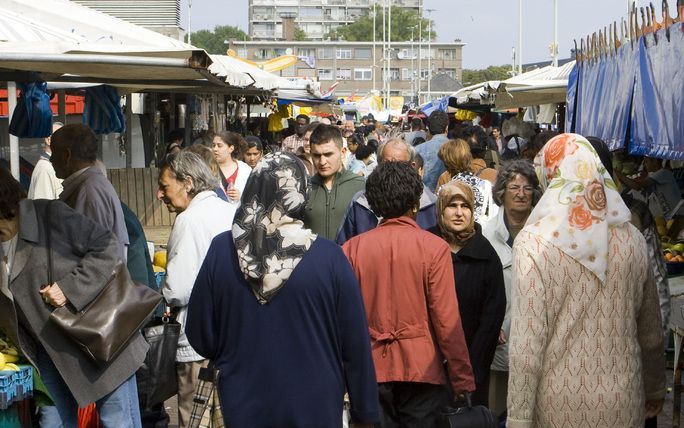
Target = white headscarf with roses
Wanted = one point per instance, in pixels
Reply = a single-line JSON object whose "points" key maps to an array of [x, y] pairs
{"points": [[580, 202]]}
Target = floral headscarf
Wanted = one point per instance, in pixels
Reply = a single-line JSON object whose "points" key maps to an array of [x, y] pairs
{"points": [[268, 232], [580, 202]]}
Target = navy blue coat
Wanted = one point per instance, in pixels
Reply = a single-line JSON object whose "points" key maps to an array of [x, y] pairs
{"points": [[286, 363]]}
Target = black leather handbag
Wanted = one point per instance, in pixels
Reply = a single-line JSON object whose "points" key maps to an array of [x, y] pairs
{"points": [[468, 416], [104, 327], [157, 380]]}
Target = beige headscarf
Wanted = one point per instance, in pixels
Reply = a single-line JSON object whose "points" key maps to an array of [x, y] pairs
{"points": [[456, 189]]}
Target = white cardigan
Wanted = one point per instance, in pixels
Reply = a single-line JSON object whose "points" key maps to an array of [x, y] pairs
{"points": [[192, 233]]}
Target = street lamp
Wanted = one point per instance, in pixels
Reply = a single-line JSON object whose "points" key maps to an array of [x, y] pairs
{"points": [[429, 76], [520, 24]]}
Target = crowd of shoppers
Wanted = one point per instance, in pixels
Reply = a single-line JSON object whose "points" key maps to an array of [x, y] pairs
{"points": [[406, 271]]}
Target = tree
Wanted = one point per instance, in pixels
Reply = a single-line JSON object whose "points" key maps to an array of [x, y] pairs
{"points": [[214, 41], [403, 20], [300, 35], [493, 72]]}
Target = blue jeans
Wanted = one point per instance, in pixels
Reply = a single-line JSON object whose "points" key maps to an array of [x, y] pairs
{"points": [[118, 409]]}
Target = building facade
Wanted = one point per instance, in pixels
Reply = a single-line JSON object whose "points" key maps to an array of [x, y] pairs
{"points": [[162, 16], [359, 66], [315, 17]]}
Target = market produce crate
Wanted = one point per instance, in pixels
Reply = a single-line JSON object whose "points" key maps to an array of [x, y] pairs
{"points": [[15, 386]]}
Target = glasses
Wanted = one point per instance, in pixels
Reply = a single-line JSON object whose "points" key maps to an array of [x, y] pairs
{"points": [[516, 189]]}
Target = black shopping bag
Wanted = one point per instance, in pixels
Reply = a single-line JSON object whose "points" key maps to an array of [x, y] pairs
{"points": [[157, 379]]}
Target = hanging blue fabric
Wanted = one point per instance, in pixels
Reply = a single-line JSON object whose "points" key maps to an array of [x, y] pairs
{"points": [[102, 110], [658, 113], [571, 103], [604, 98], [32, 117], [438, 104]]}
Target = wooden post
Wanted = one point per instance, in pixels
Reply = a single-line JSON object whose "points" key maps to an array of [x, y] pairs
{"points": [[61, 106]]}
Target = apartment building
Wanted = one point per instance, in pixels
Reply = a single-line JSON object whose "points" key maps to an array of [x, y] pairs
{"points": [[162, 16], [359, 65], [315, 17]]}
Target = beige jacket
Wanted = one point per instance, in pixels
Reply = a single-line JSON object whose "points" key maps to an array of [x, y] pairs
{"points": [[583, 354]]}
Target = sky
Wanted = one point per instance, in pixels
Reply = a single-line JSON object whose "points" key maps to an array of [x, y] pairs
{"points": [[489, 28]]}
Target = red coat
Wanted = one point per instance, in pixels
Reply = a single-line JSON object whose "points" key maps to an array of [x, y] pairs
{"points": [[407, 283]]}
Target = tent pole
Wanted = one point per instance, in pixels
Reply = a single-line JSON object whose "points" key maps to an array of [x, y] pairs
{"points": [[129, 130], [61, 106], [13, 140]]}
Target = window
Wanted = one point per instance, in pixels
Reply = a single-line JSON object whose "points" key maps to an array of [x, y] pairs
{"points": [[393, 73], [343, 74], [363, 53], [405, 74], [363, 74], [344, 53], [409, 53], [310, 53], [448, 53], [325, 53], [424, 73], [242, 52], [325, 74], [424, 53], [448, 71]]}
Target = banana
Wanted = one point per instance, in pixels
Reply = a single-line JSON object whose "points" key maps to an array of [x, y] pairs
{"points": [[11, 366], [3, 345], [11, 351], [9, 358]]}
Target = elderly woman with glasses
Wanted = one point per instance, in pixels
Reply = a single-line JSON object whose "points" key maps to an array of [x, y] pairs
{"points": [[516, 191], [187, 187]]}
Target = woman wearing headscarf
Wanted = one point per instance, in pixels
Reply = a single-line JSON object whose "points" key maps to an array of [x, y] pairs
{"points": [[586, 339], [279, 312], [411, 304], [478, 278]]}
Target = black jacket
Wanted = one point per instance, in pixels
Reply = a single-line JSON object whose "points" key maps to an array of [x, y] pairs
{"points": [[481, 293]]}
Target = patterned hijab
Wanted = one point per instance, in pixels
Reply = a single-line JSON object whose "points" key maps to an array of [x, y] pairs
{"points": [[456, 189], [268, 232], [580, 202]]}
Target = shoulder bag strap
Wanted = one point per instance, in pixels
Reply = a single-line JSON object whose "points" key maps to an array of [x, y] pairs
{"points": [[48, 246]]}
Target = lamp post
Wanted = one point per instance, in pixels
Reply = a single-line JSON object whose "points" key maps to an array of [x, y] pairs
{"points": [[389, 55], [374, 63], [429, 76], [520, 49], [420, 51], [554, 52], [189, 22]]}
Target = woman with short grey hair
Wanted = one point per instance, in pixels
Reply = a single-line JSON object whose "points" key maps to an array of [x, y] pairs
{"points": [[516, 191], [186, 186]]}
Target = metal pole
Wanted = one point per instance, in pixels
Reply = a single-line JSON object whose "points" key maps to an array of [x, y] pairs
{"points": [[13, 140], [374, 63], [61, 106], [429, 76], [420, 51], [520, 23], [555, 33], [389, 55], [128, 132], [384, 49], [413, 81], [189, 22]]}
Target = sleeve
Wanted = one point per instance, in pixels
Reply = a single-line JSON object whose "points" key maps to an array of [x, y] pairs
{"points": [[484, 341], [348, 227], [96, 247], [650, 338], [446, 321], [184, 261], [359, 369], [528, 338], [201, 325]]}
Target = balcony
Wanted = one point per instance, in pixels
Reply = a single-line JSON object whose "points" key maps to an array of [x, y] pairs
{"points": [[264, 34], [263, 2]]}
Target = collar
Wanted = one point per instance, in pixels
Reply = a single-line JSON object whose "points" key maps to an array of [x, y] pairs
{"points": [[475, 247], [72, 182], [46, 156], [70, 179], [200, 197], [399, 221], [502, 228]]}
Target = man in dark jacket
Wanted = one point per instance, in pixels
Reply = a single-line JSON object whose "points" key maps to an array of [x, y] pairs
{"points": [[332, 187], [359, 217]]}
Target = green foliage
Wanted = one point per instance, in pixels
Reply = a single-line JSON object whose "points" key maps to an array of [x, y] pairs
{"points": [[300, 35], [213, 41], [403, 20], [493, 72]]}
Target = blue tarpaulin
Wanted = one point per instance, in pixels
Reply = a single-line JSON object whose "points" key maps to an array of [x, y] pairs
{"points": [[658, 113], [573, 81], [604, 96], [102, 110], [32, 118]]}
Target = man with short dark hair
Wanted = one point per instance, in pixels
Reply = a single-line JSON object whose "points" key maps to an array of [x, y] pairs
{"points": [[296, 140], [359, 217], [437, 127], [477, 140], [86, 188], [332, 187], [417, 130]]}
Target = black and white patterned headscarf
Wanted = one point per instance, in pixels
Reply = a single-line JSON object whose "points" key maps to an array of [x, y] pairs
{"points": [[268, 232]]}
